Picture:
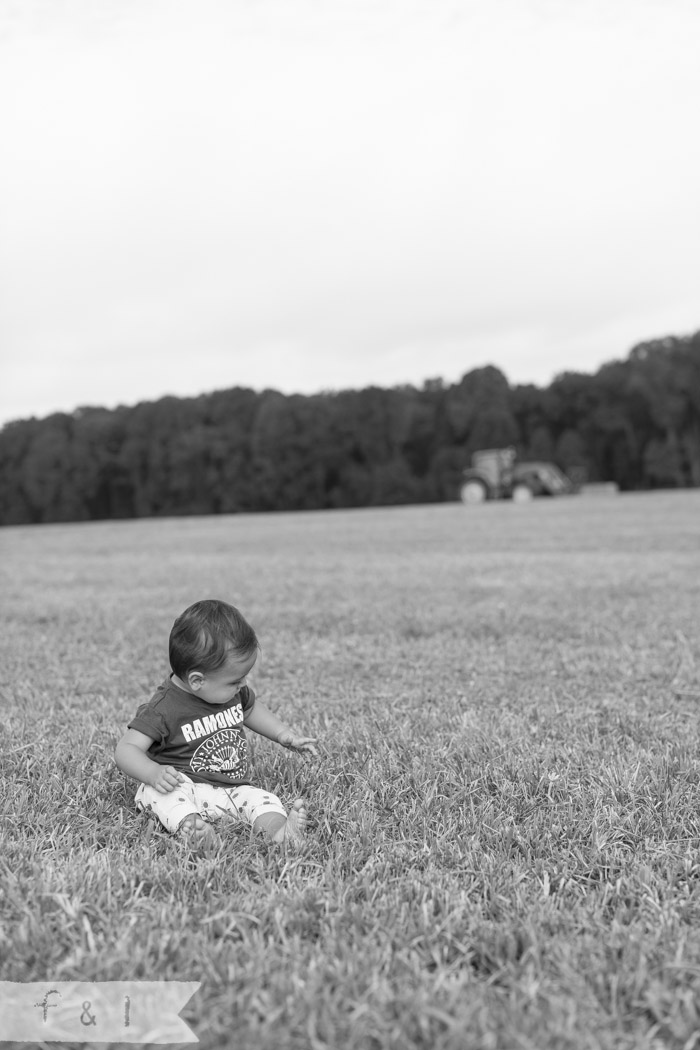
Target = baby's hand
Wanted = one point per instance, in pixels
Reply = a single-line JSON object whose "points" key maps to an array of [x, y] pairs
{"points": [[167, 779], [306, 744]]}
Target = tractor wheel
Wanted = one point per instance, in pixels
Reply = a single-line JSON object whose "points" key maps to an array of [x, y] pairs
{"points": [[473, 491], [522, 493]]}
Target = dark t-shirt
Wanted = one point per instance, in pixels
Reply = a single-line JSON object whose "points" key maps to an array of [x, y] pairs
{"points": [[205, 741]]}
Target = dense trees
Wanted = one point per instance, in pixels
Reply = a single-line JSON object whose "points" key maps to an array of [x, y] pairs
{"points": [[635, 422]]}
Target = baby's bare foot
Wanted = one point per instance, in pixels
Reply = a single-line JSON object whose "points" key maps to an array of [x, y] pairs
{"points": [[197, 832], [295, 828]]}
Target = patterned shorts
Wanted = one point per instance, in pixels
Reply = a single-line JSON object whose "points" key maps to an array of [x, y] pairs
{"points": [[242, 802]]}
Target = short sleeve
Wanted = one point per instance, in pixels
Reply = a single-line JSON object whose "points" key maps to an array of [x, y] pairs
{"points": [[150, 723], [247, 697]]}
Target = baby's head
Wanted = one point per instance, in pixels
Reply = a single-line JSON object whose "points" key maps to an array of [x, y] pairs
{"points": [[206, 635]]}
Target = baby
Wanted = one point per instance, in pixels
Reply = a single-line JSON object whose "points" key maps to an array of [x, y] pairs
{"points": [[187, 745]]}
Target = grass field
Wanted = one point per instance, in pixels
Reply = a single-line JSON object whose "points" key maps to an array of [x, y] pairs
{"points": [[505, 835]]}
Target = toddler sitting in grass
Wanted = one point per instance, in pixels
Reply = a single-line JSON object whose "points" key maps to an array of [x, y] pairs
{"points": [[187, 745]]}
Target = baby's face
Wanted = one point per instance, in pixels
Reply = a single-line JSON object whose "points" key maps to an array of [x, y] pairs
{"points": [[222, 685]]}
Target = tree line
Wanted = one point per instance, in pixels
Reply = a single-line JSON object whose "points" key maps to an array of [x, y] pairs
{"points": [[634, 422]]}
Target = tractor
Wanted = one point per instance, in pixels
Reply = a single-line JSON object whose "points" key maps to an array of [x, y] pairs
{"points": [[495, 474]]}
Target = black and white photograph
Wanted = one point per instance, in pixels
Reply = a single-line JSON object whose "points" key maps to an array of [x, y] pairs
{"points": [[350, 524]]}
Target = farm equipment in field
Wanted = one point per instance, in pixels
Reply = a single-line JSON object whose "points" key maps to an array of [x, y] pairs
{"points": [[496, 474]]}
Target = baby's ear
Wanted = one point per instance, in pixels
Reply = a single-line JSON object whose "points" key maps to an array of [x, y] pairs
{"points": [[195, 680]]}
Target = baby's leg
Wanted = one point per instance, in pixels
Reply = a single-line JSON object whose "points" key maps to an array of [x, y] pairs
{"points": [[177, 811], [266, 814]]}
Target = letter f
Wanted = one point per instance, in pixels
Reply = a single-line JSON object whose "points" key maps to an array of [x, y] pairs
{"points": [[45, 1005]]}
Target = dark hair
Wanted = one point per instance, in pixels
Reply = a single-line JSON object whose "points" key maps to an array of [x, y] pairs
{"points": [[204, 635]]}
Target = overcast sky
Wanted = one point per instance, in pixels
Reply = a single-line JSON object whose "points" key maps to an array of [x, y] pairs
{"points": [[322, 194]]}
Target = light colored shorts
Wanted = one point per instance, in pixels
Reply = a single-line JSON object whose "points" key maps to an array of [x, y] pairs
{"points": [[242, 802]]}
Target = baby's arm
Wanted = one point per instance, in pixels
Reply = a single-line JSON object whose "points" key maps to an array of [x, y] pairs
{"points": [[132, 759], [261, 720]]}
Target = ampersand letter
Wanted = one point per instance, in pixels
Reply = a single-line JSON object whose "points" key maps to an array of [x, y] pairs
{"points": [[86, 1010]]}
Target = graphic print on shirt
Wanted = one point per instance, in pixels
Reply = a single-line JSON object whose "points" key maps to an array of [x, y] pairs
{"points": [[224, 752], [232, 716]]}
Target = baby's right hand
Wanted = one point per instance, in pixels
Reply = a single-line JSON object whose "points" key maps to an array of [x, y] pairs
{"points": [[166, 779]]}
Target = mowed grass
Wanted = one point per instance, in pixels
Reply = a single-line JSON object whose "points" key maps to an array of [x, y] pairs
{"points": [[505, 834]]}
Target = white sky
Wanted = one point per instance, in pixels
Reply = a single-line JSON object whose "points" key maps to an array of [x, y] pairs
{"points": [[318, 194]]}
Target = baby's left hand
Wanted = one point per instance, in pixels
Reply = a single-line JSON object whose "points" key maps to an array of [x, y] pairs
{"points": [[305, 744]]}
